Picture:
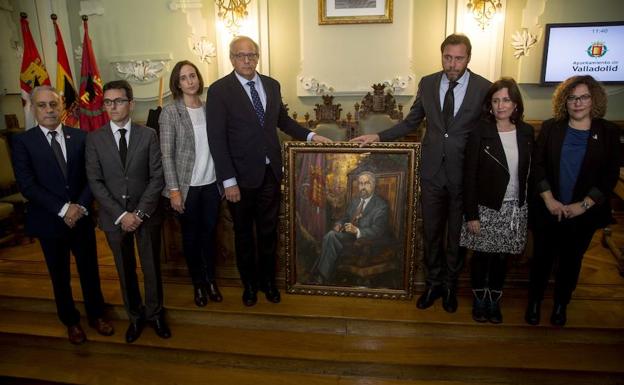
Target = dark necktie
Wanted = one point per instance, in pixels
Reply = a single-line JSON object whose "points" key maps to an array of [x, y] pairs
{"points": [[58, 153], [358, 213], [257, 104], [448, 109], [123, 146]]}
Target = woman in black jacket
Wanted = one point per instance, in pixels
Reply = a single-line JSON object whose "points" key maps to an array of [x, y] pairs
{"points": [[496, 168], [575, 167]]}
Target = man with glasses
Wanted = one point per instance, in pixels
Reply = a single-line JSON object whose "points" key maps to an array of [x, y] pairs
{"points": [[450, 100], [49, 164], [243, 111], [126, 177]]}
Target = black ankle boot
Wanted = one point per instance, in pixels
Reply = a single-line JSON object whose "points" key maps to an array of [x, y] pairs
{"points": [[532, 314], [494, 313], [558, 316], [479, 305]]}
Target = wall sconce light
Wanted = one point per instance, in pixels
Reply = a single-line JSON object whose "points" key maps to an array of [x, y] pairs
{"points": [[484, 11], [232, 12]]}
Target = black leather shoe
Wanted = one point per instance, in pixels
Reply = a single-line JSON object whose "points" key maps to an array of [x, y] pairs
{"points": [[449, 301], [201, 298], [161, 328], [558, 316], [250, 296], [271, 292], [428, 297], [134, 331], [213, 292], [532, 314]]}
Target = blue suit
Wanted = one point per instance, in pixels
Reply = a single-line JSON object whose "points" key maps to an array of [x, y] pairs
{"points": [[41, 180]]}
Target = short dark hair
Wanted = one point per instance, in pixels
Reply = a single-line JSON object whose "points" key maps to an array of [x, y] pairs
{"points": [[119, 85], [455, 39], [514, 95], [597, 92], [174, 79]]}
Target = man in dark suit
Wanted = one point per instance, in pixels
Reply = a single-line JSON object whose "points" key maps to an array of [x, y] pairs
{"points": [[126, 177], [450, 100], [49, 163], [366, 219], [243, 110]]}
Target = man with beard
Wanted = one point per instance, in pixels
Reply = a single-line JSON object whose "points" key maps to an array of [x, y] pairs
{"points": [[451, 101], [366, 219]]}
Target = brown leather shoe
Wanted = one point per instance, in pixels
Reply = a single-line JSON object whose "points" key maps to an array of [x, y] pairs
{"points": [[76, 335], [102, 326]]}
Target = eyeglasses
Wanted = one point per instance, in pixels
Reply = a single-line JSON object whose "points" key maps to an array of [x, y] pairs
{"points": [[117, 102], [248, 56], [583, 98]]}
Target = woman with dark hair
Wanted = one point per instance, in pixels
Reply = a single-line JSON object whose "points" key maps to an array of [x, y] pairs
{"points": [[190, 178], [575, 168], [496, 168]]}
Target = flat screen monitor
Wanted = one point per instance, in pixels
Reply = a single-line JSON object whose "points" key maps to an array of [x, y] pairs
{"points": [[595, 49]]}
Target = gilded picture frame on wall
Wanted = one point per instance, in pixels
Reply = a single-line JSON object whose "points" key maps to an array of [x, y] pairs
{"points": [[351, 218], [354, 11]]}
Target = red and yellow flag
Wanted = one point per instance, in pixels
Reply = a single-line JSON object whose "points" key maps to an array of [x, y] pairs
{"points": [[65, 82], [33, 72], [92, 114]]}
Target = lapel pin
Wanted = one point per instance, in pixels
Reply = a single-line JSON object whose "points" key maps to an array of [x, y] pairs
{"points": [[67, 136], [595, 136]]}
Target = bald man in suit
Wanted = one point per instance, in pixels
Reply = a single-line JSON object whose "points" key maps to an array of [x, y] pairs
{"points": [[49, 163]]}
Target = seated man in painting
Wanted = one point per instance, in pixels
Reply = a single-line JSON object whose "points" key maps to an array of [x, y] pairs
{"points": [[365, 220]]}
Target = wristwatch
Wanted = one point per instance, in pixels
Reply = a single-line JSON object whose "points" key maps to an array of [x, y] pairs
{"points": [[141, 214], [585, 204]]}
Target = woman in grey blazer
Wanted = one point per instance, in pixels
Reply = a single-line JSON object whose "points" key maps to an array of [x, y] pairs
{"points": [[190, 178]]}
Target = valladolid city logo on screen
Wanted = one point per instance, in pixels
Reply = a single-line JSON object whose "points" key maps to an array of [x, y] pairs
{"points": [[597, 49]]}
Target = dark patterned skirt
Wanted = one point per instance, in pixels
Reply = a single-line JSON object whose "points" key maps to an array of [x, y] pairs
{"points": [[502, 231]]}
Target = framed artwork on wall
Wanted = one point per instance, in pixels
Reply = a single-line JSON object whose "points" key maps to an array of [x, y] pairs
{"points": [[350, 215], [354, 11]]}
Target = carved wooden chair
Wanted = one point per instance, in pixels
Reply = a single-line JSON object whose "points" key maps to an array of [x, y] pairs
{"points": [[377, 111]]}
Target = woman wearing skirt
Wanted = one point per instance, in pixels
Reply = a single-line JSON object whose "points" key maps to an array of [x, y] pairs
{"points": [[496, 168]]}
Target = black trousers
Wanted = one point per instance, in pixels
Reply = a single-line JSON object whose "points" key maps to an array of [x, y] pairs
{"points": [[488, 270], [148, 244], [81, 242], [566, 243], [259, 208], [199, 224], [442, 210]]}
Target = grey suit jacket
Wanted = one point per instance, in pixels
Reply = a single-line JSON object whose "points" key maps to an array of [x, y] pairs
{"points": [[373, 222], [435, 146], [137, 186], [177, 144]]}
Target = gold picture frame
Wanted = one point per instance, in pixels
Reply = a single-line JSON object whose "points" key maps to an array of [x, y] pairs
{"points": [[342, 12], [324, 185]]}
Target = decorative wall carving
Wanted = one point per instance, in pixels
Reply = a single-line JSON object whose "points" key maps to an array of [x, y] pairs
{"points": [[203, 48], [141, 70], [522, 42], [315, 87], [78, 53], [399, 83]]}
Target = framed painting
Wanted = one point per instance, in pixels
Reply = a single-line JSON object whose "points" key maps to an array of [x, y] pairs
{"points": [[354, 11], [351, 217]]}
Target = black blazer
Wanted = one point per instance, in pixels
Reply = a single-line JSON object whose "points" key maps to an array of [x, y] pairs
{"points": [[598, 174], [238, 143], [436, 144], [41, 181], [486, 173]]}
